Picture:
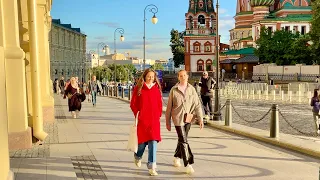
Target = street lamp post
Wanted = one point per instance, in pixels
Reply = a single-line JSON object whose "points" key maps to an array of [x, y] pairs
{"points": [[154, 20], [217, 113], [121, 31], [102, 45], [92, 52]]}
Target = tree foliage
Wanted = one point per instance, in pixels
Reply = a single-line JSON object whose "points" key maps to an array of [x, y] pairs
{"points": [[177, 47], [157, 66], [283, 48], [108, 73], [315, 30]]}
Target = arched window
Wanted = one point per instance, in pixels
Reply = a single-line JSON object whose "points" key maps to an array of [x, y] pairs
{"points": [[201, 20], [209, 65], [196, 47], [200, 65], [207, 47]]}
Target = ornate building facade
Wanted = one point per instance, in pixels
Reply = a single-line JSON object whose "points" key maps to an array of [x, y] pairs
{"points": [[67, 51], [26, 99], [251, 15], [200, 38]]}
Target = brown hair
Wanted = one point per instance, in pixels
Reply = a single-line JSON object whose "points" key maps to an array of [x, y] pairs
{"points": [[181, 70], [315, 93], [142, 80]]}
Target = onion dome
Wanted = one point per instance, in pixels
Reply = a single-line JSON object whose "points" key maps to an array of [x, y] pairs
{"points": [[255, 3]]}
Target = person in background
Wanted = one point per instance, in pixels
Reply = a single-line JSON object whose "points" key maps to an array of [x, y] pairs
{"points": [[62, 85], [315, 110], [75, 97], [147, 100], [183, 106], [93, 88], [207, 84]]}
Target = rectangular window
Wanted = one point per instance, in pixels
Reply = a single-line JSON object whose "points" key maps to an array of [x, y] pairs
{"points": [[287, 28], [200, 67], [196, 48], [295, 29], [270, 29], [303, 30], [208, 48]]}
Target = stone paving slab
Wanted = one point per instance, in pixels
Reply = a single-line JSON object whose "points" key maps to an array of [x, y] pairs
{"points": [[101, 133]]}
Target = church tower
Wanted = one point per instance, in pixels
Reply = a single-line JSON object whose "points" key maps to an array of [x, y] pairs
{"points": [[200, 38]]}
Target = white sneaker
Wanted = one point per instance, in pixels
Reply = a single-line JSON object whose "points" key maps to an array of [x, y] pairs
{"points": [[153, 172], [190, 169], [137, 162], [176, 162]]}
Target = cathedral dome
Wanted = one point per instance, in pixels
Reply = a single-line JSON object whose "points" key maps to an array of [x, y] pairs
{"points": [[255, 3]]}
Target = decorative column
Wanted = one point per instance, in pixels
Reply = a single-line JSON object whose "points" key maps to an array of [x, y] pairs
{"points": [[44, 61], [5, 172], [4, 150], [19, 132], [35, 72]]}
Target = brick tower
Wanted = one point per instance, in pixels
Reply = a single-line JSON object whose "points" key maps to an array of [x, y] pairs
{"points": [[200, 38]]}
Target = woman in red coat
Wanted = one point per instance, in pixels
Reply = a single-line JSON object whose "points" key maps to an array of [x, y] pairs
{"points": [[147, 100]]}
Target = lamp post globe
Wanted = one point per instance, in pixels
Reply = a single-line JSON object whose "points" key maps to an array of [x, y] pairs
{"points": [[121, 38], [154, 19]]}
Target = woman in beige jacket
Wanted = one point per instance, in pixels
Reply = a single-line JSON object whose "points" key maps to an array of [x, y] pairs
{"points": [[183, 101]]}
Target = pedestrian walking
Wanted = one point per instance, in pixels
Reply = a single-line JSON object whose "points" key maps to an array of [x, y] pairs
{"points": [[315, 109], [62, 85], [75, 97], [183, 107], [207, 84], [93, 88], [147, 100]]}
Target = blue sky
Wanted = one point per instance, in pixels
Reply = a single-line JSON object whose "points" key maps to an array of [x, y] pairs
{"points": [[99, 18]]}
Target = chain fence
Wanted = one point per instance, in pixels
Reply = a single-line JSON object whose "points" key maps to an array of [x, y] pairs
{"points": [[296, 129], [255, 121]]}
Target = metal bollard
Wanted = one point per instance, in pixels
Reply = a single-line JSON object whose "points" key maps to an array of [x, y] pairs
{"points": [[122, 92], [228, 113], [274, 123], [129, 93]]}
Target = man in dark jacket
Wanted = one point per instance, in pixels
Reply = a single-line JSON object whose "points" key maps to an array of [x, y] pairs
{"points": [[207, 84]]}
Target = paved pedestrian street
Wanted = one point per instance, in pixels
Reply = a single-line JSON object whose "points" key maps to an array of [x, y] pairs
{"points": [[94, 147]]}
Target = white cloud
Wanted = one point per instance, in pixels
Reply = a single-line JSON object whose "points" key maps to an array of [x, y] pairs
{"points": [[222, 11]]}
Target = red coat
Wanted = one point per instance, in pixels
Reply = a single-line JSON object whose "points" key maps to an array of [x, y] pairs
{"points": [[149, 103]]}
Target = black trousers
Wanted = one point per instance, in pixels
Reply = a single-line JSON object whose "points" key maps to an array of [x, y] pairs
{"points": [[183, 150], [206, 100]]}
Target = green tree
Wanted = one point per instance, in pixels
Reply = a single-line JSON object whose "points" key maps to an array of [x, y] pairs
{"points": [[157, 66], [315, 30], [177, 47], [282, 47]]}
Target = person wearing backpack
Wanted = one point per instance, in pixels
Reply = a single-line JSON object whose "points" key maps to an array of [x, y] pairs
{"points": [[315, 109]]}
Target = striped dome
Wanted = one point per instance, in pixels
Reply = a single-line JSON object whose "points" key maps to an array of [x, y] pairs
{"points": [[254, 3]]}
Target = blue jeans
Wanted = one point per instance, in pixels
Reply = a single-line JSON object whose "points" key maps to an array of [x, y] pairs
{"points": [[94, 97], [152, 153]]}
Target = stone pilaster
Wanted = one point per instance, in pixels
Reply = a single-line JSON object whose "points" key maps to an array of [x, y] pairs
{"points": [[15, 79], [45, 81]]}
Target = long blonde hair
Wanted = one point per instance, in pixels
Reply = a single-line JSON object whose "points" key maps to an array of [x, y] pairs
{"points": [[73, 82], [142, 80]]}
